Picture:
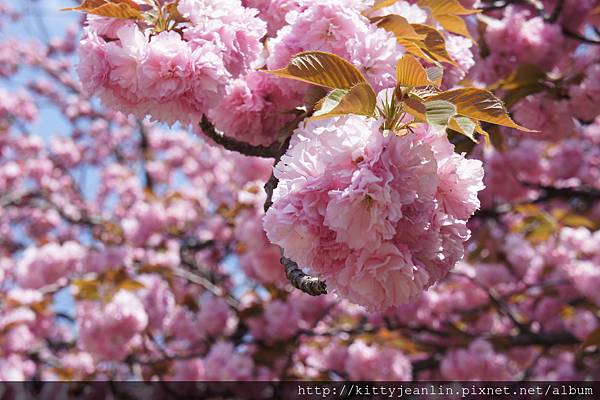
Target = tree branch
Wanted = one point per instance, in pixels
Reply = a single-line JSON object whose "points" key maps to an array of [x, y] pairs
{"points": [[306, 283], [496, 5], [537, 339], [552, 18], [186, 253], [301, 281], [270, 186], [579, 37], [229, 143], [549, 193]]}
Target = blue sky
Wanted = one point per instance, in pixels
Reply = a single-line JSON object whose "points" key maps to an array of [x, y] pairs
{"points": [[43, 20]]}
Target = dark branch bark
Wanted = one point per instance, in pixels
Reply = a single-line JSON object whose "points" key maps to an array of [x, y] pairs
{"points": [[579, 37], [548, 193], [496, 5], [306, 283], [537, 339], [301, 281], [270, 186], [552, 18], [237, 145], [187, 251]]}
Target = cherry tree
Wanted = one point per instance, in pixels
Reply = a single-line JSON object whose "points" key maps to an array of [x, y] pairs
{"points": [[303, 189]]}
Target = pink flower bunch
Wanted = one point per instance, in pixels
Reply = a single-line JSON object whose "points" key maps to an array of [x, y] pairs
{"points": [[380, 218], [215, 317], [258, 257], [187, 370], [254, 108], [357, 360], [558, 367], [459, 48], [371, 362], [586, 277], [516, 39], [222, 363], [339, 28], [41, 266], [586, 95], [109, 332], [477, 362], [16, 368], [18, 325], [170, 76], [454, 294], [273, 12], [159, 302], [17, 105], [411, 12], [225, 363], [551, 117], [279, 322]]}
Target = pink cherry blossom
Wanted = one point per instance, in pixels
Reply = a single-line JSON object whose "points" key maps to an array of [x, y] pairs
{"points": [[254, 109], [366, 362], [355, 181], [122, 320], [478, 362], [49, 263]]}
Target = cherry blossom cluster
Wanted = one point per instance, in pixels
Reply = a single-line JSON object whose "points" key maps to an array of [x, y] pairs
{"points": [[173, 76], [380, 218], [445, 259]]}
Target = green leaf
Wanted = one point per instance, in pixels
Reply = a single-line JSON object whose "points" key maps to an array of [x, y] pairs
{"points": [[573, 220], [131, 285], [435, 75], [415, 107], [174, 13], [86, 289], [323, 69], [410, 73], [399, 26], [122, 9], [454, 24], [536, 225], [447, 12], [360, 100], [423, 41], [439, 112], [329, 102], [526, 80], [480, 105], [446, 7], [434, 44], [463, 125], [382, 4]]}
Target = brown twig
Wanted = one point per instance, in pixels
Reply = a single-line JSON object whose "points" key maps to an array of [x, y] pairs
{"points": [[579, 37], [306, 283], [232, 144], [270, 186], [547, 193], [300, 280], [552, 18]]}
